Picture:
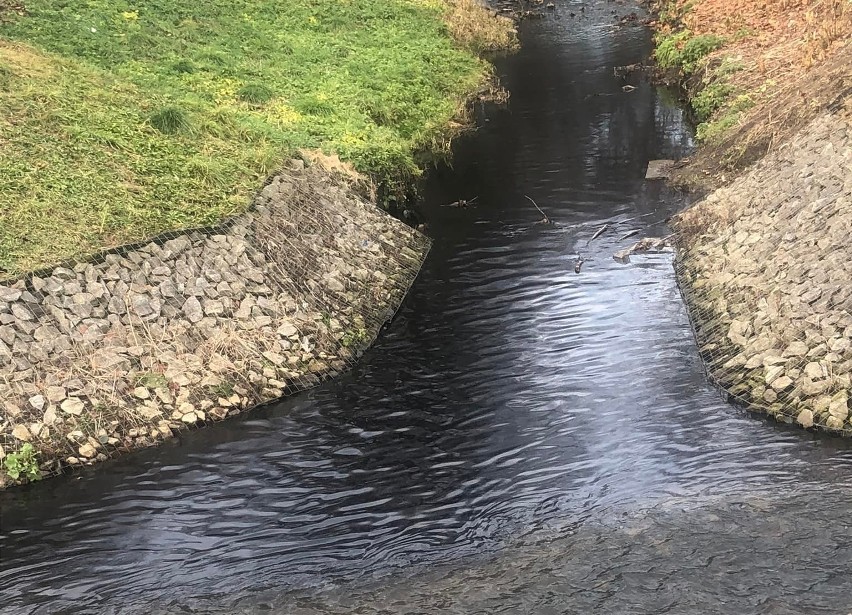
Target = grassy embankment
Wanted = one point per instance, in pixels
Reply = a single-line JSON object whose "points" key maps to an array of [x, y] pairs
{"points": [[731, 56], [122, 119]]}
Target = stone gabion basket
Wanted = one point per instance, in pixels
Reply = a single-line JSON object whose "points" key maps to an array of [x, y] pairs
{"points": [[119, 351], [765, 266]]}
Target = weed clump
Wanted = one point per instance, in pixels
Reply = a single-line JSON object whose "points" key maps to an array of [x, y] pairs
{"points": [[709, 99], [170, 120], [183, 67], [255, 93], [23, 463], [478, 30], [683, 52]]}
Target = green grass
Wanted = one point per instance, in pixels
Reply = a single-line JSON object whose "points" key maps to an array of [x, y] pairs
{"points": [[710, 98], [121, 119], [683, 52], [712, 128]]}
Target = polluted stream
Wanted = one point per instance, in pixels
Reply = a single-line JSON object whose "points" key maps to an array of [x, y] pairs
{"points": [[522, 438]]}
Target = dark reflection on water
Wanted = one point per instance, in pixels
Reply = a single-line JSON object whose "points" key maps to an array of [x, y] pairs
{"points": [[513, 408]]}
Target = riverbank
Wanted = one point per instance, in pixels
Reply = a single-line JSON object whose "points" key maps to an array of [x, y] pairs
{"points": [[120, 351], [119, 122], [763, 258], [121, 127]]}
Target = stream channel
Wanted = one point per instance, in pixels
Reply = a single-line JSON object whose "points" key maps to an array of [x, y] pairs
{"points": [[522, 439]]}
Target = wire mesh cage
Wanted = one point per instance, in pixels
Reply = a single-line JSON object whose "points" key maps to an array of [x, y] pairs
{"points": [[119, 351], [764, 267]]}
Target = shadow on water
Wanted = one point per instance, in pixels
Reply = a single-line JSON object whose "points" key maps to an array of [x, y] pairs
{"points": [[523, 437]]}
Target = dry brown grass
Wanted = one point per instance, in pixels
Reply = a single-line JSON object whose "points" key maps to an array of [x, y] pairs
{"points": [[773, 36], [826, 87], [790, 59], [476, 27]]}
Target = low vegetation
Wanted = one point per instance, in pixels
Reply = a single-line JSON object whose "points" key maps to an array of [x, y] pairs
{"points": [[23, 464], [730, 55], [119, 120]]}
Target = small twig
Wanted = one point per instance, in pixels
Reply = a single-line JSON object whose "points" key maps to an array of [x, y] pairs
{"points": [[461, 202], [546, 219], [599, 232], [579, 263], [611, 222], [629, 234]]}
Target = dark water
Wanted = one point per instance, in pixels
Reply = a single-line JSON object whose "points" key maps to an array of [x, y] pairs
{"points": [[523, 439]]}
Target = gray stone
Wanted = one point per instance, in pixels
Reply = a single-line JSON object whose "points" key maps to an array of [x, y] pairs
{"points": [[55, 393], [213, 307], [143, 305], [49, 417], [7, 334], [9, 295], [814, 371], [108, 358], [45, 333], [796, 349], [192, 310], [21, 313], [168, 289], [63, 273], [87, 450], [21, 433], [832, 422], [253, 274], [840, 345], [274, 358], [839, 406], [71, 287], [805, 418], [779, 384], [773, 372], [116, 305], [288, 330], [73, 405], [244, 311], [811, 388], [177, 246]]}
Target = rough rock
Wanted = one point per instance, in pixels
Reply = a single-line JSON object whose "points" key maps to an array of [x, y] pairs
{"points": [[763, 262], [805, 418], [22, 433], [201, 313], [73, 405], [192, 310]]}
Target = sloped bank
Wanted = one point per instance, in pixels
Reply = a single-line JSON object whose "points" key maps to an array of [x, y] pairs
{"points": [[765, 267], [121, 351], [763, 259]]}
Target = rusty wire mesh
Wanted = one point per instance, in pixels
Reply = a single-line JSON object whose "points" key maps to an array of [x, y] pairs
{"points": [[120, 350], [764, 268]]}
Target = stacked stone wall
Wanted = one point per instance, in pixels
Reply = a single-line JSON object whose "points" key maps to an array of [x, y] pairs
{"points": [[765, 265], [120, 351]]}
